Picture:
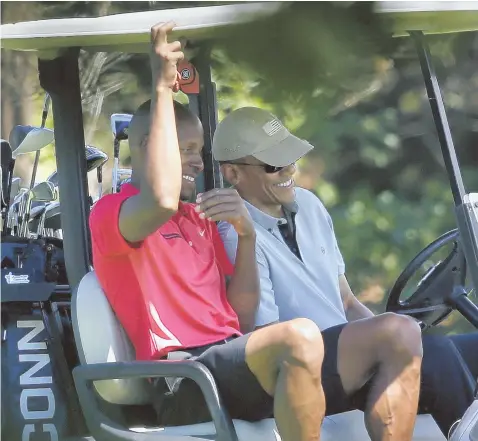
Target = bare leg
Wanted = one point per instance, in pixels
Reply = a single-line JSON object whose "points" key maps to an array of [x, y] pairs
{"points": [[285, 360], [391, 346]]}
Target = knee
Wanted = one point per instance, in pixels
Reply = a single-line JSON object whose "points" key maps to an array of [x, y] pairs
{"points": [[401, 334], [302, 344]]}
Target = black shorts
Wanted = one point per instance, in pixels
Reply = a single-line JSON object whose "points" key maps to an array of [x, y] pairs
{"points": [[180, 401]]}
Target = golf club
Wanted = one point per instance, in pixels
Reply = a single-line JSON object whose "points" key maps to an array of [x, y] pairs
{"points": [[119, 126], [14, 212], [46, 106], [15, 187], [6, 178], [27, 139], [42, 192], [95, 158], [49, 224]]}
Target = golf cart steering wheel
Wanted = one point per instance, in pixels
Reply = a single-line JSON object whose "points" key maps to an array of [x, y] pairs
{"points": [[439, 291]]}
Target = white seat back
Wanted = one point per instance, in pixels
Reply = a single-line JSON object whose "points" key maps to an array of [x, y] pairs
{"points": [[100, 338]]}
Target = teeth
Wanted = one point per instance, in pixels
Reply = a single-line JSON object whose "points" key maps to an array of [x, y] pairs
{"points": [[188, 178], [285, 184]]}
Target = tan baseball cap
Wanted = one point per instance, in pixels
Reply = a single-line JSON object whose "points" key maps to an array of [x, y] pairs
{"points": [[251, 131]]}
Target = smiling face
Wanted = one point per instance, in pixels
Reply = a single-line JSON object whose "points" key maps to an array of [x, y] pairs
{"points": [[266, 191], [191, 141]]}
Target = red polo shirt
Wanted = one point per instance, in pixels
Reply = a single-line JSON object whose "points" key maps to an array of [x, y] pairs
{"points": [[170, 291]]}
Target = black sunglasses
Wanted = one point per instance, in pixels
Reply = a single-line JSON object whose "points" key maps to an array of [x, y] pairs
{"points": [[267, 168]]}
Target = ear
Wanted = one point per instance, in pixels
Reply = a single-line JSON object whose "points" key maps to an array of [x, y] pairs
{"points": [[230, 173]]}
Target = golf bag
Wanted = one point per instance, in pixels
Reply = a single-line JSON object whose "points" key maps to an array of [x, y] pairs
{"points": [[39, 401]]}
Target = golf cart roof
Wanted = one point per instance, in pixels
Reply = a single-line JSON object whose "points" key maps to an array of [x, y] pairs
{"points": [[130, 32]]}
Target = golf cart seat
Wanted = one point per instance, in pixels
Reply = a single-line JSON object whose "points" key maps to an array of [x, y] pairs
{"points": [[106, 354]]}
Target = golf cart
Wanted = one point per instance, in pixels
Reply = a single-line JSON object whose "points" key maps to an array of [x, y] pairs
{"points": [[68, 368]]}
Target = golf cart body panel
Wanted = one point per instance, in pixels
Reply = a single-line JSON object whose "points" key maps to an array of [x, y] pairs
{"points": [[105, 354]]}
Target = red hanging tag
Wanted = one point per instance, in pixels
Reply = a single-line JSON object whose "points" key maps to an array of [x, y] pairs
{"points": [[188, 78]]}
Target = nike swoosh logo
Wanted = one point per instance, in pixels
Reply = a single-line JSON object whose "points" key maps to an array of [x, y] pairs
{"points": [[201, 233]]}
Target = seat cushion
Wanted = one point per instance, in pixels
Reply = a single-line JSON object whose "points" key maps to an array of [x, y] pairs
{"points": [[100, 338]]}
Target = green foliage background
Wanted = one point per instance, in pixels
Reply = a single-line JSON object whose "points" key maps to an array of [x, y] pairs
{"points": [[336, 78]]}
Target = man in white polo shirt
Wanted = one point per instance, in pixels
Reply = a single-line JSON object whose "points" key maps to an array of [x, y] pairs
{"points": [[302, 271]]}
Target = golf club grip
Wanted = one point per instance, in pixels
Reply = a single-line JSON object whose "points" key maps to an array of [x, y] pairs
{"points": [[115, 175]]}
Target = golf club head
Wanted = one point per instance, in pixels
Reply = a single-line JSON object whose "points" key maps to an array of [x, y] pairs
{"points": [[52, 218], [26, 139], [122, 182], [20, 194], [124, 172], [37, 211], [94, 158], [119, 125], [43, 192], [53, 178], [35, 217], [15, 188], [124, 177], [16, 207]]}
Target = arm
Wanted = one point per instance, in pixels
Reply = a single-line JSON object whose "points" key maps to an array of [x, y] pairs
{"points": [[354, 310], [266, 311], [243, 291], [243, 288], [160, 184]]}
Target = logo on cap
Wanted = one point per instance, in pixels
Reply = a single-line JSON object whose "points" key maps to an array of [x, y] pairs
{"points": [[272, 127]]}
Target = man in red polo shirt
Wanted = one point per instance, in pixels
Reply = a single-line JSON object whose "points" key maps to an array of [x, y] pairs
{"points": [[163, 268]]}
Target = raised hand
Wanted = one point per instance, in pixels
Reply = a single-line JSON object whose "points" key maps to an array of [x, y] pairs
{"points": [[225, 204], [164, 57]]}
